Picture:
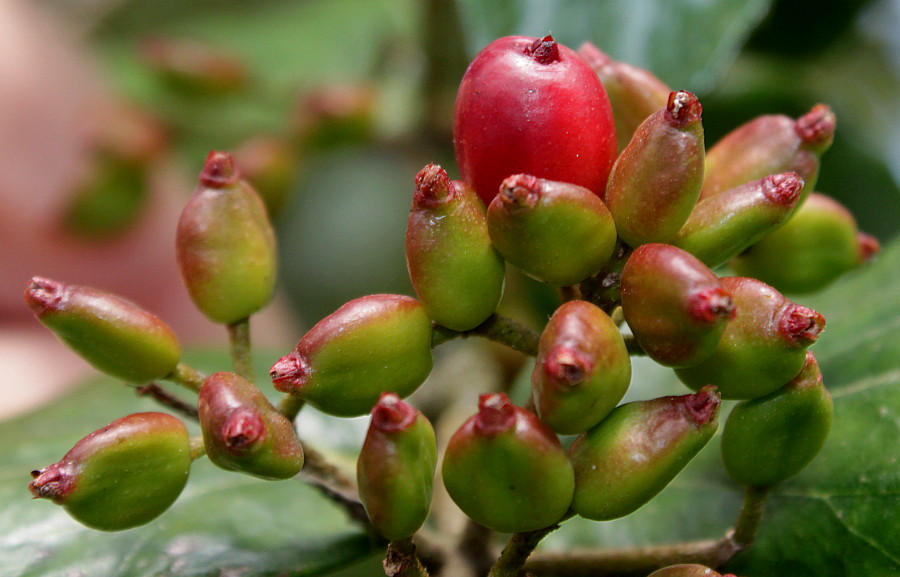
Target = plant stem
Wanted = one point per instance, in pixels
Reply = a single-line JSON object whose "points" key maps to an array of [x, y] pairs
{"points": [[517, 551], [198, 449], [752, 508], [332, 482], [290, 406], [239, 339], [187, 377], [167, 399], [401, 560], [496, 328], [634, 349]]}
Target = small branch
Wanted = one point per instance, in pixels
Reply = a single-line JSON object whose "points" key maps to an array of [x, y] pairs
{"points": [[634, 349], [569, 293], [517, 551], [187, 377], [750, 516], [496, 328], [198, 449], [290, 406], [167, 399], [402, 561], [332, 482], [239, 340]]}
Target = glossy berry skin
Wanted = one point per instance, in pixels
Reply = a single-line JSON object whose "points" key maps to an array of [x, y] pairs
{"points": [[528, 105], [455, 270], [506, 470], [395, 468], [634, 93], [225, 244], [770, 144], [121, 476], [723, 225], [685, 570], [113, 334], [656, 180], [369, 345], [762, 348], [582, 369], [555, 232], [637, 450], [772, 438], [817, 245], [243, 432], [675, 305]]}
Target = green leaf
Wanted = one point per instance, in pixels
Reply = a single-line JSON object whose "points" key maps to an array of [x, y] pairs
{"points": [[839, 516], [223, 523], [688, 44]]}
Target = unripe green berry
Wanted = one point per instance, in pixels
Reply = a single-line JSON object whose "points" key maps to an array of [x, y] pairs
{"points": [[818, 244], [770, 144], [762, 348], [675, 305], [634, 93], [637, 450], [556, 232], [723, 225], [656, 180], [772, 438], [582, 369], [455, 270], [370, 345], [243, 432], [121, 476], [395, 468], [225, 244], [114, 335], [506, 470]]}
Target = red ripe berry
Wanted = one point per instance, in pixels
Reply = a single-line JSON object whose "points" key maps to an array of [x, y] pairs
{"points": [[532, 106]]}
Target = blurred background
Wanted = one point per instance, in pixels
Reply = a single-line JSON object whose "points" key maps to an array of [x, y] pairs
{"points": [[109, 107]]}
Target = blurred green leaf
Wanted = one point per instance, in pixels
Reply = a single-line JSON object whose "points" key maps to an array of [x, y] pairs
{"points": [[688, 44], [223, 523]]}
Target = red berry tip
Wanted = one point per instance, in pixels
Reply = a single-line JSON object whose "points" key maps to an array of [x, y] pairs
{"points": [[867, 246], [784, 188], [43, 294], [496, 414], [290, 372], [703, 406], [391, 413], [433, 186], [521, 191], [710, 305], [817, 126], [219, 170], [800, 325], [567, 366], [684, 107], [243, 428], [54, 482], [544, 50]]}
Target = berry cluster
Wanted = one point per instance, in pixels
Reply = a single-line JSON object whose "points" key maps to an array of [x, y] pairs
{"points": [[582, 172]]}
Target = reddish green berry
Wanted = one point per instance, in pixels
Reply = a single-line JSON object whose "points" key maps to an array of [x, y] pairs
{"points": [[582, 370], [194, 67], [506, 470], [634, 93], [242, 431], [686, 570], [556, 232], [723, 225], [121, 476], [454, 268], [528, 105], [637, 450], [770, 144], [762, 348], [226, 245], [772, 438], [656, 180], [114, 335], [817, 245], [368, 346], [675, 305], [395, 468]]}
